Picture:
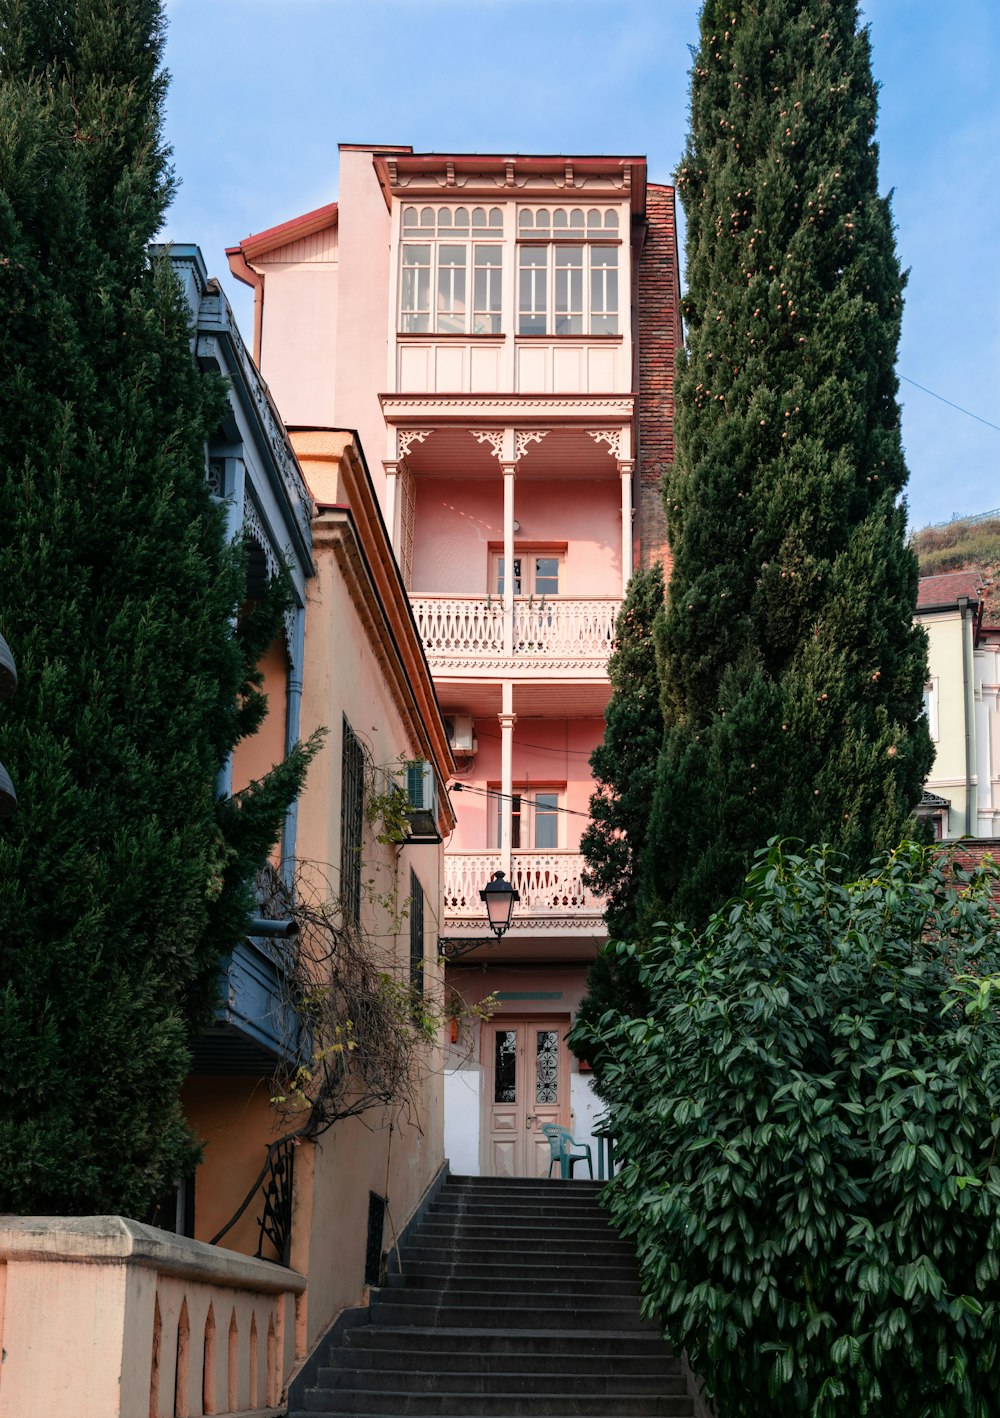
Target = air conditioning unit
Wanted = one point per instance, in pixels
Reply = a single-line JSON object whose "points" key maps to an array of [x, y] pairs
{"points": [[461, 735], [421, 790]]}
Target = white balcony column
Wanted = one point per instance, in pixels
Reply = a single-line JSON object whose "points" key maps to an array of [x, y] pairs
{"points": [[507, 462], [507, 719], [626, 467], [392, 471]]}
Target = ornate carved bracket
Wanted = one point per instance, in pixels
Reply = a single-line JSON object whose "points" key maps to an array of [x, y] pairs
{"points": [[612, 437], [407, 437], [492, 436], [521, 441]]}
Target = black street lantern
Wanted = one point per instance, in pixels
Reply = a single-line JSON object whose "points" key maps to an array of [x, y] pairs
{"points": [[499, 896]]}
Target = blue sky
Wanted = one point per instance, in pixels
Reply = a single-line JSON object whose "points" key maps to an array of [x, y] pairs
{"points": [[264, 90]]}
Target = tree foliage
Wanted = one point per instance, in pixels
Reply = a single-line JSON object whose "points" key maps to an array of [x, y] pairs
{"points": [[792, 675], [624, 762], [123, 880], [808, 1119]]}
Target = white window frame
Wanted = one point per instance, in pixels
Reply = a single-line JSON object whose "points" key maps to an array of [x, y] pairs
{"points": [[542, 286], [452, 306], [931, 707], [525, 814], [527, 556]]}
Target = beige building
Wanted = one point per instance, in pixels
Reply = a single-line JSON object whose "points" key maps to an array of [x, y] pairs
{"points": [[962, 698]]}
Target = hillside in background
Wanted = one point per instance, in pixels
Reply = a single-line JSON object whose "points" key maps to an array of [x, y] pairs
{"points": [[961, 545]]}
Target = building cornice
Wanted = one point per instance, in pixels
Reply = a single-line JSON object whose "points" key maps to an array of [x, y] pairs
{"points": [[505, 408], [572, 178]]}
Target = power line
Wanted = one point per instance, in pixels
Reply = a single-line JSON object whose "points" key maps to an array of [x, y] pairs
{"points": [[491, 793], [943, 400], [542, 747]]}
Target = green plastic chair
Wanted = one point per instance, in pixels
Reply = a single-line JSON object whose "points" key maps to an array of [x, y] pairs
{"points": [[561, 1142]]}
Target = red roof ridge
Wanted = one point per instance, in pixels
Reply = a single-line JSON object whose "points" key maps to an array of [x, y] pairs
{"points": [[285, 232]]}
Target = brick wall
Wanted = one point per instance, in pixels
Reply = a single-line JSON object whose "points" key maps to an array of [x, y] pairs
{"points": [[658, 328]]}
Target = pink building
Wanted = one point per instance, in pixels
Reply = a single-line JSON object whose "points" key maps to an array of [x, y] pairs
{"points": [[501, 332]]}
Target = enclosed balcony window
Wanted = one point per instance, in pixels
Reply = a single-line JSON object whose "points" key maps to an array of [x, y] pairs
{"points": [[568, 281], [449, 251]]}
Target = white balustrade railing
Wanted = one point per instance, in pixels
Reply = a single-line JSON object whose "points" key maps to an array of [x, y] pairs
{"points": [[459, 626], [548, 883], [471, 628], [566, 628]]}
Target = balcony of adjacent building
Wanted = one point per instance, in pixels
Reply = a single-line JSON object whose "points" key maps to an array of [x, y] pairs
{"points": [[557, 914], [521, 797], [553, 504]]}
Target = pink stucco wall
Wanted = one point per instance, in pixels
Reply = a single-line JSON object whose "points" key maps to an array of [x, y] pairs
{"points": [[363, 307], [547, 752], [299, 334], [457, 521]]}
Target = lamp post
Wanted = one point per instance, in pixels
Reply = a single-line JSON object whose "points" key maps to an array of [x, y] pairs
{"points": [[498, 896], [8, 683]]}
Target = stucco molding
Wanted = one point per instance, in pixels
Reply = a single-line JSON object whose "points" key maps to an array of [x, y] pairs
{"points": [[514, 663], [110, 1240], [565, 923], [507, 408]]}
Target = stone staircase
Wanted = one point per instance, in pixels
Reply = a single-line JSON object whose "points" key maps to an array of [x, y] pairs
{"points": [[515, 1299]]}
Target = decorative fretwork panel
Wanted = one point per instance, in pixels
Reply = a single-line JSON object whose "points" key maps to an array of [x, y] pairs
{"points": [[469, 629], [407, 514], [463, 627], [549, 884]]}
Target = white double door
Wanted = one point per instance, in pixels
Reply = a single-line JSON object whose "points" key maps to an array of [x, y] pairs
{"points": [[526, 1078]]}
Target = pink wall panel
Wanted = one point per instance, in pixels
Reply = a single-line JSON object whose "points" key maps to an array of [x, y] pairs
{"points": [[457, 520], [547, 752]]}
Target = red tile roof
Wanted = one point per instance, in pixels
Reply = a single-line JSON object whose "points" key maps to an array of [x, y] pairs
{"points": [[263, 241], [945, 590]]}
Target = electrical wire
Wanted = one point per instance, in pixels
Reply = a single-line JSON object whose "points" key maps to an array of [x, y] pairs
{"points": [[968, 413], [522, 797]]}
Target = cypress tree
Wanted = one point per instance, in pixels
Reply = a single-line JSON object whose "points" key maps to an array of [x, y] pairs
{"points": [[624, 762], [122, 880], [624, 767], [792, 675]]}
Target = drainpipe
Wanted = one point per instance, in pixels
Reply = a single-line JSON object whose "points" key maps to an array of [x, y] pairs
{"points": [[968, 707], [293, 715], [243, 271]]}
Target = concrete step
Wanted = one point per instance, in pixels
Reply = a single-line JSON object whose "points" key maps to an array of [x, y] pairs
{"points": [[512, 1278], [555, 1298], [507, 1380], [480, 1315], [499, 1345], [514, 1232], [437, 1353], [403, 1403], [515, 1299]]}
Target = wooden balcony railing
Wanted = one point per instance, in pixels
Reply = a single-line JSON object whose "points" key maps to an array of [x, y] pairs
{"points": [[549, 884], [468, 630]]}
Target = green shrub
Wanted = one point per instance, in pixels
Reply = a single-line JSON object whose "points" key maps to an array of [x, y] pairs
{"points": [[809, 1118]]}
